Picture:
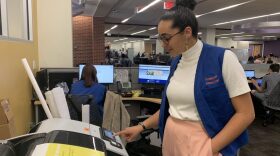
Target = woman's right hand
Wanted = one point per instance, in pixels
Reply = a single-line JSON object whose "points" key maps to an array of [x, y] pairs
{"points": [[131, 133], [254, 82]]}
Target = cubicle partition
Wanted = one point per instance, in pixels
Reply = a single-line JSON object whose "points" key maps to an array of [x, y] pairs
{"points": [[260, 69], [70, 75], [125, 74]]}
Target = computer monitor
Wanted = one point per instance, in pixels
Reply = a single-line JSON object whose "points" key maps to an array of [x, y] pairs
{"points": [[56, 77], [153, 74], [105, 73], [42, 79], [250, 73]]}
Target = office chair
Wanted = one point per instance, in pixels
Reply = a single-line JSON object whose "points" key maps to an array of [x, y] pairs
{"points": [[272, 105], [75, 103]]}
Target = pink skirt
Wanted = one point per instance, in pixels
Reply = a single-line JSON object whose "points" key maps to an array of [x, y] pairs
{"points": [[185, 138]]}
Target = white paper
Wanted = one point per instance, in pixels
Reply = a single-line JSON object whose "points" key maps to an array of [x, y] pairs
{"points": [[85, 113], [40, 150], [61, 103], [52, 104], [122, 75]]}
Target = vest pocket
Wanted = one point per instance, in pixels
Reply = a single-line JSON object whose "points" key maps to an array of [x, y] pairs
{"points": [[218, 101]]}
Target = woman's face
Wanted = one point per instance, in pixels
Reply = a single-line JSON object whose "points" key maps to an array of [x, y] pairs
{"points": [[172, 40]]}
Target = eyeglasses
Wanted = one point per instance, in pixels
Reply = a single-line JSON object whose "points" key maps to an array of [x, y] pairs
{"points": [[166, 39]]}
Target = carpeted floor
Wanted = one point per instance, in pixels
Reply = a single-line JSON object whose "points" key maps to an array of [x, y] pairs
{"points": [[263, 141]]}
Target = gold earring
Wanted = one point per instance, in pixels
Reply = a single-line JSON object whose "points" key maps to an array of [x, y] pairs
{"points": [[187, 46]]}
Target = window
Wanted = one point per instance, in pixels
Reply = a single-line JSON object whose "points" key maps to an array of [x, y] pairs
{"points": [[0, 21], [3, 18], [16, 19]]}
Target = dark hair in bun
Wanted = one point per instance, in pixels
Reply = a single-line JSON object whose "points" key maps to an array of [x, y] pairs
{"points": [[182, 16], [186, 3]]}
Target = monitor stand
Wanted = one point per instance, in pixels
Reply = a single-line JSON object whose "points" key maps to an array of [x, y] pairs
{"points": [[154, 90]]}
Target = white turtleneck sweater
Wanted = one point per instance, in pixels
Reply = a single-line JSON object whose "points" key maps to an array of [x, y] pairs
{"points": [[180, 91]]}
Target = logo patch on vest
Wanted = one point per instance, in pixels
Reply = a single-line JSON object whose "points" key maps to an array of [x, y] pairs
{"points": [[212, 80]]}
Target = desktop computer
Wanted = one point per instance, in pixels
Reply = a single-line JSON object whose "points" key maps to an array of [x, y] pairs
{"points": [[250, 74], [153, 74], [60, 76], [153, 77], [105, 73], [42, 79]]}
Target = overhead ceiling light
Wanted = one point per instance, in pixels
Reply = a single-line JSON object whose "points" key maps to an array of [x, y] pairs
{"points": [[138, 32], [199, 33], [230, 34], [132, 41], [250, 18], [148, 6], [123, 39], [225, 8], [114, 27], [248, 35], [224, 37], [116, 40], [271, 27], [269, 36], [146, 39], [107, 31], [232, 6], [152, 28], [125, 20]]}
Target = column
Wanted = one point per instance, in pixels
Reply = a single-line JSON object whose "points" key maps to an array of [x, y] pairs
{"points": [[208, 35], [159, 48], [82, 40], [98, 40], [88, 40]]}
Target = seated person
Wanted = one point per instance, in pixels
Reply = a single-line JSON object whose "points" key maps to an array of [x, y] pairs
{"points": [[268, 83], [251, 60], [88, 85]]}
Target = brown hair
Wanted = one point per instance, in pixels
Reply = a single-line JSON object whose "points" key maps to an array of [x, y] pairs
{"points": [[89, 75], [274, 67]]}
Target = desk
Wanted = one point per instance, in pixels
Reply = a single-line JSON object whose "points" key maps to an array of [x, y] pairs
{"points": [[145, 99], [139, 106], [37, 104]]}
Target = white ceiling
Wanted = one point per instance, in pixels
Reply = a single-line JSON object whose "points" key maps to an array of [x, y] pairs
{"points": [[122, 9]]}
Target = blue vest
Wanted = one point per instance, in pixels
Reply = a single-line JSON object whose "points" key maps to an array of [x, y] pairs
{"points": [[211, 97]]}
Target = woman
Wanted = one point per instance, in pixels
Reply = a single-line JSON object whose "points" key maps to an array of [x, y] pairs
{"points": [[88, 85], [206, 105]]}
